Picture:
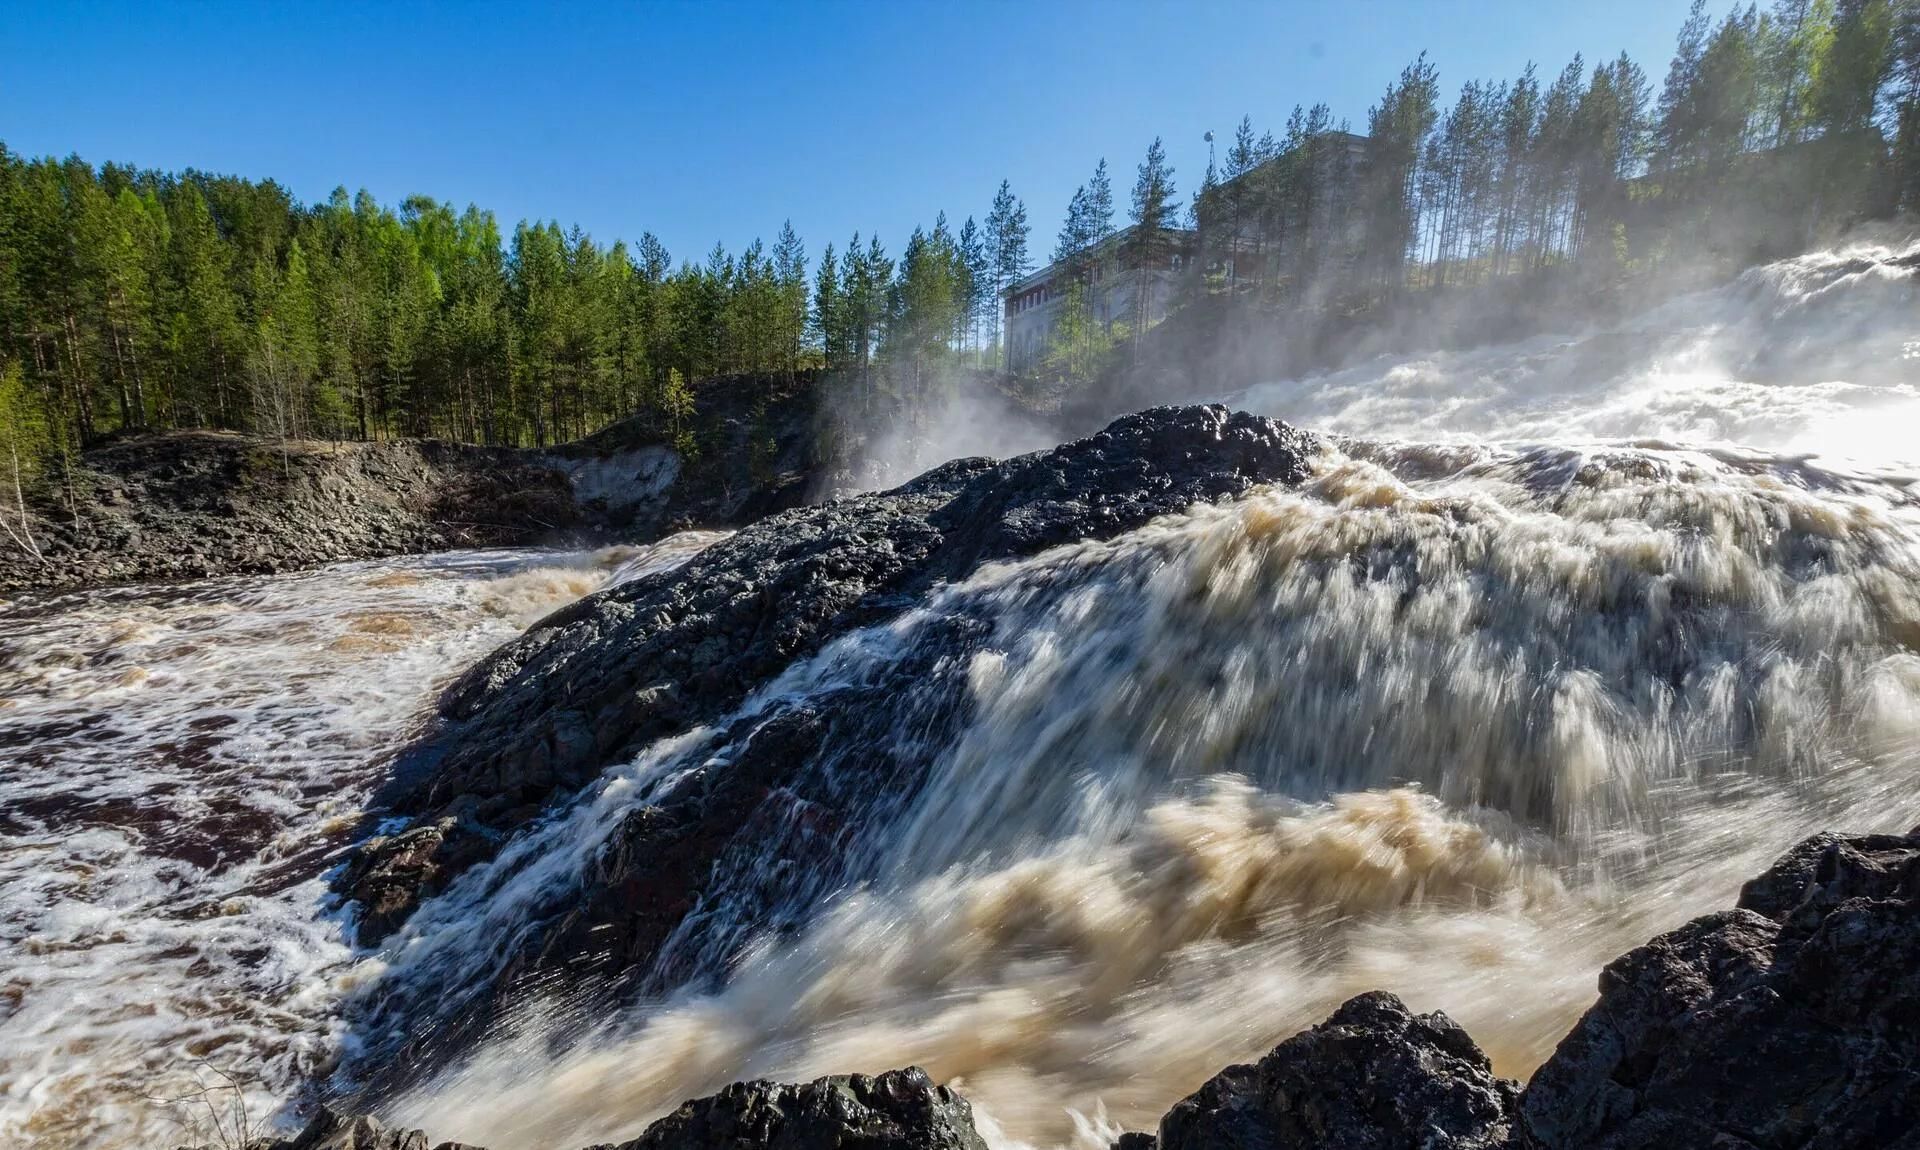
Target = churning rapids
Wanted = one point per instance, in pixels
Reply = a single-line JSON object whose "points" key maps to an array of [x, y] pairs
{"points": [[1558, 643], [180, 761]]}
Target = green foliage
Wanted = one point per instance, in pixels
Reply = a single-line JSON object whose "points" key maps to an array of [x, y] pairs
{"points": [[136, 299], [1585, 168], [24, 447], [675, 405], [1080, 344], [132, 299], [1846, 87], [26, 434]]}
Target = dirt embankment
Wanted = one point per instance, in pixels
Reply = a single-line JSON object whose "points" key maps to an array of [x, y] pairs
{"points": [[192, 504], [183, 505]]}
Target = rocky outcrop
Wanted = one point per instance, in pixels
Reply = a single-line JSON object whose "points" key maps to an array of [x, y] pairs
{"points": [[1792, 1020], [898, 1110], [187, 505], [752, 447], [192, 504], [331, 1131], [1375, 1076], [598, 680]]}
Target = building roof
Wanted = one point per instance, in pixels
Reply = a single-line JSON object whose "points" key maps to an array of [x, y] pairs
{"points": [[1039, 276]]}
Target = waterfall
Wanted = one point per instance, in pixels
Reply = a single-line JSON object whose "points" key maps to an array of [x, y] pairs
{"points": [[1557, 643]]}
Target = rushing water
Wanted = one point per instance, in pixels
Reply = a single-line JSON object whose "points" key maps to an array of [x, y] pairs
{"points": [[1568, 639], [181, 765]]}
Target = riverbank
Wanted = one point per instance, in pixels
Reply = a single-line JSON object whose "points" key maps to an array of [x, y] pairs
{"points": [[194, 504]]}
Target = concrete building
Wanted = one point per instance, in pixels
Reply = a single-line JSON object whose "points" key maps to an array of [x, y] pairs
{"points": [[1252, 232], [1253, 224], [1032, 307]]}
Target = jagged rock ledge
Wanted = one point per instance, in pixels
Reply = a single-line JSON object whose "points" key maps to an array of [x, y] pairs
{"points": [[188, 505], [1792, 1020], [592, 684], [192, 504]]}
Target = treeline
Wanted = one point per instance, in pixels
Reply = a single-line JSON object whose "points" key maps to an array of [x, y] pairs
{"points": [[135, 299], [143, 299], [1768, 123], [1770, 127], [889, 328]]}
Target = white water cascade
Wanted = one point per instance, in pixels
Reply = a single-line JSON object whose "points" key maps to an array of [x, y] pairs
{"points": [[181, 763], [1560, 642], [1465, 717]]}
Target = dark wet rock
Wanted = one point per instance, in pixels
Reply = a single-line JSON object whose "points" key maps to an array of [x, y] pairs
{"points": [[187, 505], [1792, 1020], [898, 1110], [331, 1131], [193, 504], [1374, 1076], [593, 683], [389, 882]]}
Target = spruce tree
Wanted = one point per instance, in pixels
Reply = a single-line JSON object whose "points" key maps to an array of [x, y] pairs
{"points": [[1099, 205], [977, 268], [790, 278]]}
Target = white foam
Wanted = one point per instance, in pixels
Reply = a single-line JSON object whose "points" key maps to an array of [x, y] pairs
{"points": [[182, 762]]}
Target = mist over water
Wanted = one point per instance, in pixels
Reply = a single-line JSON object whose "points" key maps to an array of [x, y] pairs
{"points": [[1560, 642], [1817, 355]]}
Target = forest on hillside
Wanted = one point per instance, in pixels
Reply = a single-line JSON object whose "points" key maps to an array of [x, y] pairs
{"points": [[133, 298]]}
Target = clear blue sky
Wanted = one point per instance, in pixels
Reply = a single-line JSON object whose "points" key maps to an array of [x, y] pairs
{"points": [[716, 121]]}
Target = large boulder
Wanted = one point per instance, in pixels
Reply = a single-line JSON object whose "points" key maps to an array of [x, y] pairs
{"points": [[1375, 1076], [596, 681], [1792, 1020], [898, 1110]]}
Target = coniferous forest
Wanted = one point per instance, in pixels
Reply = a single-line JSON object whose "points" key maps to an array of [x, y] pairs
{"points": [[134, 298]]}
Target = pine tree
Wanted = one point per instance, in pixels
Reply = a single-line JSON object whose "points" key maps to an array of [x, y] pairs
{"points": [[1397, 129], [977, 268], [1237, 191], [1006, 242], [790, 279], [1075, 231], [1681, 119], [1099, 205], [1904, 107], [1796, 37], [1149, 245], [24, 442], [1846, 90], [826, 312]]}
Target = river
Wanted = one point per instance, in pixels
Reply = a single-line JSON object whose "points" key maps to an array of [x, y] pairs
{"points": [[1560, 642]]}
